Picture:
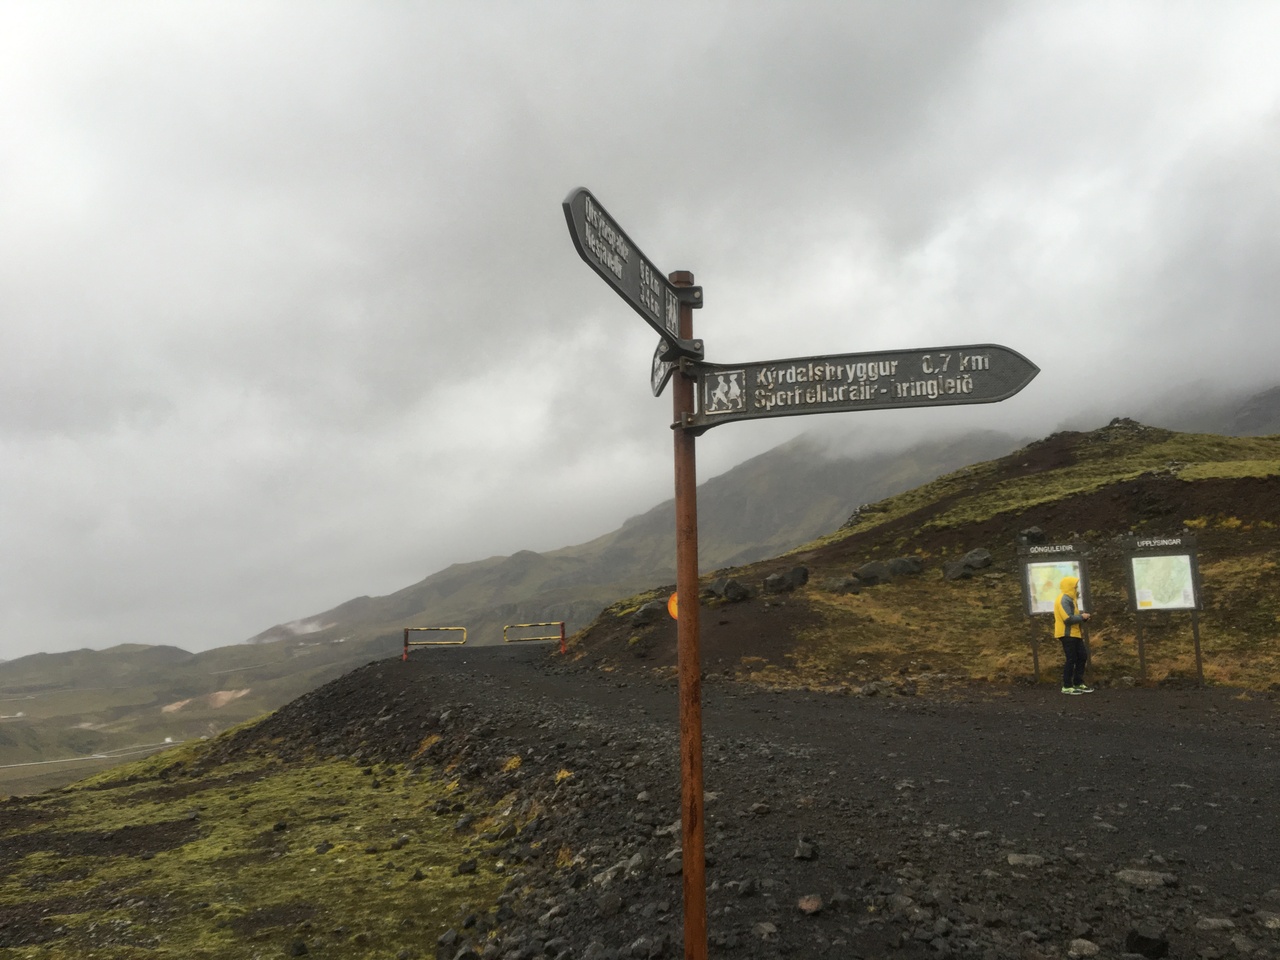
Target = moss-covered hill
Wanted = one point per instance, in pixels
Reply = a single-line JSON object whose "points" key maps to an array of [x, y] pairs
{"points": [[190, 854], [1097, 487]]}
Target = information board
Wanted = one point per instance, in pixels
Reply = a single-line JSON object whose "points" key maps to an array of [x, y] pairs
{"points": [[1163, 573], [1164, 582], [1044, 566], [1043, 582]]}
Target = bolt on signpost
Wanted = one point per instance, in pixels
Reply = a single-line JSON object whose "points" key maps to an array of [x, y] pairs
{"points": [[706, 395]]}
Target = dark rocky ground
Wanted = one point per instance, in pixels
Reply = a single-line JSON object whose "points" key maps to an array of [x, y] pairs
{"points": [[957, 821]]}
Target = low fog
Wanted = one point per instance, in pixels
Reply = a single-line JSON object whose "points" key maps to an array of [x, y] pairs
{"points": [[290, 311]]}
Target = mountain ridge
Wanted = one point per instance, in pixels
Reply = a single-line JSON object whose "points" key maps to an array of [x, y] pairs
{"points": [[766, 505], [60, 706]]}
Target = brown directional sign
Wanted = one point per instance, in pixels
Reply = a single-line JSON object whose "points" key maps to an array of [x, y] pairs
{"points": [[932, 377], [608, 250]]}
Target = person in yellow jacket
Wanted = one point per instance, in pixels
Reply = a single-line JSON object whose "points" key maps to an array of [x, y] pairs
{"points": [[1068, 620]]}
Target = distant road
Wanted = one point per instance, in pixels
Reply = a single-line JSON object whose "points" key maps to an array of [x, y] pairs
{"points": [[117, 754]]}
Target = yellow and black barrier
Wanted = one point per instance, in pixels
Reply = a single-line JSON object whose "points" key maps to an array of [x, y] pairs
{"points": [[528, 626], [431, 643]]}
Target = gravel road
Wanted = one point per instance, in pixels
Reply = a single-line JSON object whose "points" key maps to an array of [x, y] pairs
{"points": [[927, 820]]}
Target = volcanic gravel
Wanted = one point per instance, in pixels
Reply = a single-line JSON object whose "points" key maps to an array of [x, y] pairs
{"points": [[913, 818]]}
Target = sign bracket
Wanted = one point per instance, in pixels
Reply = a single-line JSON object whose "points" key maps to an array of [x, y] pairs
{"points": [[682, 350], [690, 295]]}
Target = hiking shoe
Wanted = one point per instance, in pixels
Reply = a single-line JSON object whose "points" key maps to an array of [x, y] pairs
{"points": [[1071, 690], [1081, 688]]}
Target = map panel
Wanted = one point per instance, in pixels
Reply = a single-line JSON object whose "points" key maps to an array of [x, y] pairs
{"points": [[1043, 578], [1164, 583]]}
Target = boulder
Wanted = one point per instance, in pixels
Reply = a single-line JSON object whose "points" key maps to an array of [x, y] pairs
{"points": [[786, 582], [1032, 535], [648, 613], [905, 566], [727, 588], [840, 585], [870, 574], [963, 568], [777, 583], [810, 905], [1215, 923], [1146, 879], [1025, 860], [858, 513], [1149, 939]]}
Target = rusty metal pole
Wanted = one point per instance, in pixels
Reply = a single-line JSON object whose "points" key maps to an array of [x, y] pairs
{"points": [[689, 659]]}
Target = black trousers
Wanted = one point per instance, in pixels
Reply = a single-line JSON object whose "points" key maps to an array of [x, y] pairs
{"points": [[1077, 656]]}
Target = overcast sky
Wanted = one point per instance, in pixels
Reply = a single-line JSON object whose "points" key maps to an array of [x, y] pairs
{"points": [[290, 312]]}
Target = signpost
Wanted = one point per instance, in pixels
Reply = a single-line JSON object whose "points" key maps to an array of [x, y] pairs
{"points": [[932, 377], [706, 395]]}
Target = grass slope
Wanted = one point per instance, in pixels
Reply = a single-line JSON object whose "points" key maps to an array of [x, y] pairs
{"points": [[1098, 487], [182, 856]]}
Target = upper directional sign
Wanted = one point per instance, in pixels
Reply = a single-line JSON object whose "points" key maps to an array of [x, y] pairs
{"points": [[935, 377], [609, 252]]}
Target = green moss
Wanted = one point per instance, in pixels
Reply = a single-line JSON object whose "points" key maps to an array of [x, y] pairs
{"points": [[1100, 459], [1230, 469], [354, 864], [629, 605]]}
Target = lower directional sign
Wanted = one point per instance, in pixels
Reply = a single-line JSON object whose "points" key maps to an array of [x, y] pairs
{"points": [[933, 377], [662, 369]]}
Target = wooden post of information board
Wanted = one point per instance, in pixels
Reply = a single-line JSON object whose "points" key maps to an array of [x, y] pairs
{"points": [[1035, 648], [1195, 632], [1142, 649], [688, 656]]}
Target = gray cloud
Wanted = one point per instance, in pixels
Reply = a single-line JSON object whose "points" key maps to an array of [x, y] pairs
{"points": [[290, 314]]}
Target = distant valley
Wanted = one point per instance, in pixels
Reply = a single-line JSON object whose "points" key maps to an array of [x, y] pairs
{"points": [[133, 698]]}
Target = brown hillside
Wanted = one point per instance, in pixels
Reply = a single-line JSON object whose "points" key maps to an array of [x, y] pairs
{"points": [[1097, 487]]}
